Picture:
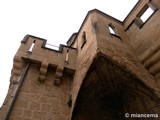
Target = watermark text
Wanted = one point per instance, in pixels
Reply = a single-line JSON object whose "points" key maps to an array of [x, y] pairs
{"points": [[139, 115]]}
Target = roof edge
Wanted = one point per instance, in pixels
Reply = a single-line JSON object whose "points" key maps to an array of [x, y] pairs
{"points": [[103, 13], [71, 39], [28, 35]]}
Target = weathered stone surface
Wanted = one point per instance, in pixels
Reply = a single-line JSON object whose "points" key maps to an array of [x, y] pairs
{"points": [[108, 92], [102, 78]]}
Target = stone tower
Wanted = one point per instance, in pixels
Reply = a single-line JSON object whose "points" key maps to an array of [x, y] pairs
{"points": [[109, 68]]}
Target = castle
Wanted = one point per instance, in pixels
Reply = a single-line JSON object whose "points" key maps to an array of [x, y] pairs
{"points": [[107, 69]]}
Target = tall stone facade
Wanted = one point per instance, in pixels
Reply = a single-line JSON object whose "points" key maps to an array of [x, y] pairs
{"points": [[109, 68]]}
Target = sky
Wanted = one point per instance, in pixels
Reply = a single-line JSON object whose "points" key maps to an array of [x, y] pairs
{"points": [[54, 20]]}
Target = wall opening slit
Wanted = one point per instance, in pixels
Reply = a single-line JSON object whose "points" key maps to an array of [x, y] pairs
{"points": [[67, 58], [31, 48], [83, 39]]}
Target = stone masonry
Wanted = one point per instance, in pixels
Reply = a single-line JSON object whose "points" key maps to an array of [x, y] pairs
{"points": [[107, 69]]}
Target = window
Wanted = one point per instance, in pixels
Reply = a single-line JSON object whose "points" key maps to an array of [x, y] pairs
{"points": [[30, 49], [111, 29], [145, 16], [83, 39]]}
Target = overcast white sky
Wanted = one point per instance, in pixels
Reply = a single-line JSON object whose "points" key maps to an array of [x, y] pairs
{"points": [[54, 20]]}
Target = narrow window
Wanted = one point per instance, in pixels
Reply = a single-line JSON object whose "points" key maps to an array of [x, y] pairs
{"points": [[147, 14], [111, 29], [66, 60], [83, 39], [30, 49]]}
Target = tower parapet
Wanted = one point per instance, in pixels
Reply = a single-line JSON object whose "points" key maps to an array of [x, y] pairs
{"points": [[36, 72]]}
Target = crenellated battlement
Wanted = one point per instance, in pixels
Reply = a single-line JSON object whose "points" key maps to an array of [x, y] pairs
{"points": [[40, 53], [33, 50]]}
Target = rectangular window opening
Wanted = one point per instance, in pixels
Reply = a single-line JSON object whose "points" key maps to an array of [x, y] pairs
{"points": [[147, 14], [31, 48]]}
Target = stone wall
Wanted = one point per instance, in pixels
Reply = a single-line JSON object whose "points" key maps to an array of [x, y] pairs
{"points": [[42, 100], [55, 78], [44, 91]]}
